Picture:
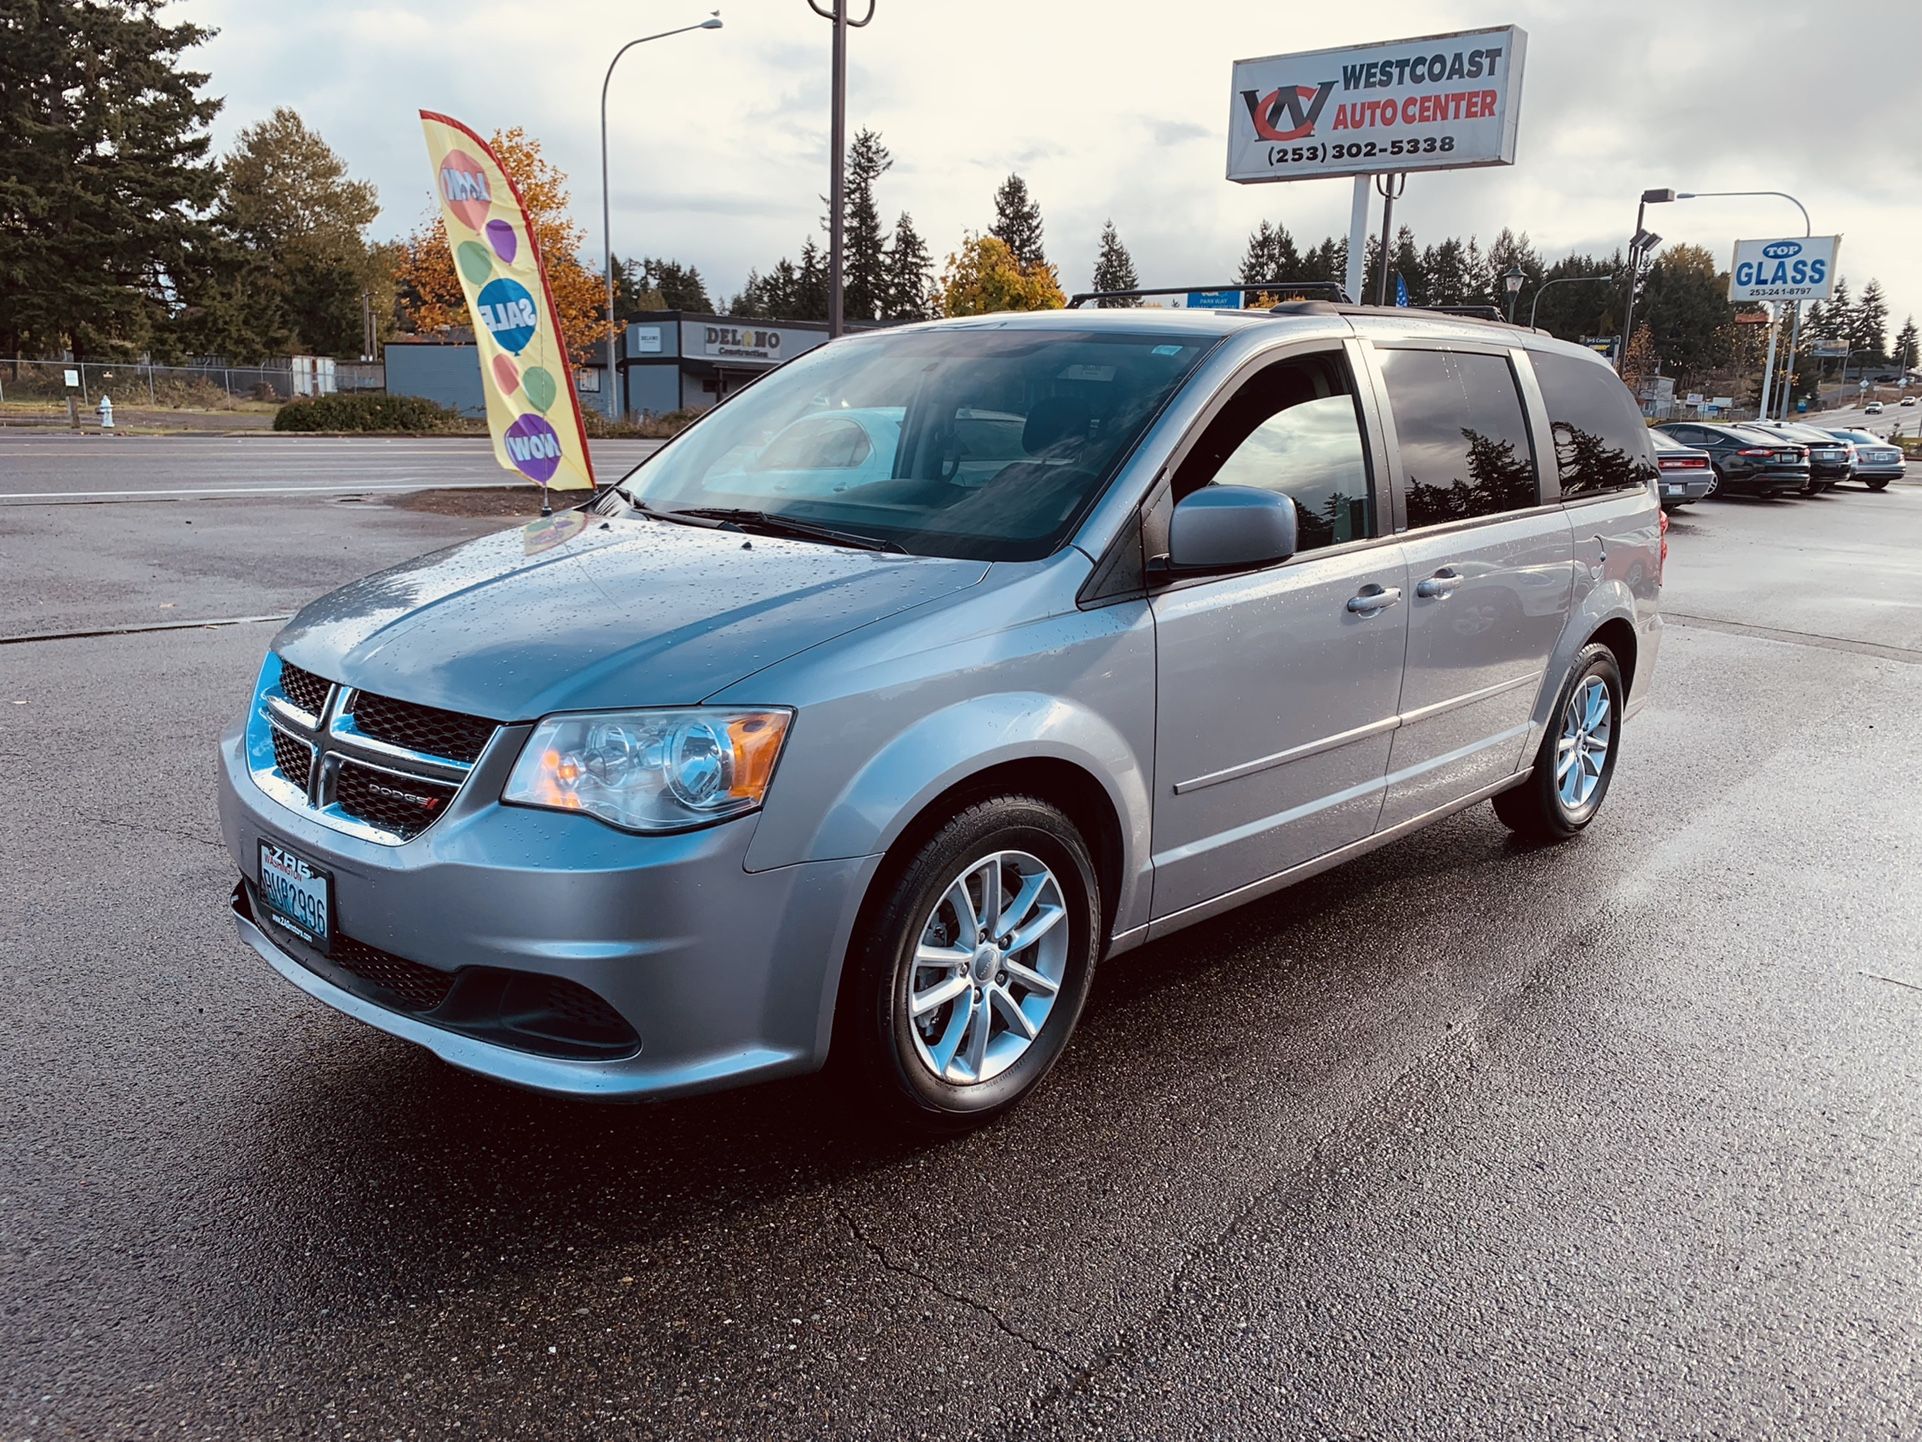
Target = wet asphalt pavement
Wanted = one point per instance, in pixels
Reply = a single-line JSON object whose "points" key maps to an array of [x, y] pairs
{"points": [[1614, 1139]]}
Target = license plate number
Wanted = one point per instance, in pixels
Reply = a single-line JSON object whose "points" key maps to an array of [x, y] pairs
{"points": [[1671, 489], [298, 893]]}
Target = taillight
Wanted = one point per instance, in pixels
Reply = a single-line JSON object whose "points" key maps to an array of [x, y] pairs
{"points": [[1682, 463], [1662, 563], [1763, 451]]}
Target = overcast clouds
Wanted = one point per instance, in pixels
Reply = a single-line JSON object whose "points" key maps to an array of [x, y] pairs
{"points": [[1115, 108]]}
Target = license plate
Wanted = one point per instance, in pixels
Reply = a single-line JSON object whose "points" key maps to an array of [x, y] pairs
{"points": [[1671, 490], [298, 893]]}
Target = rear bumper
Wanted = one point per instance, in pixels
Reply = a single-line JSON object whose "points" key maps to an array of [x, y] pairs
{"points": [[723, 975], [1676, 490], [1772, 480]]}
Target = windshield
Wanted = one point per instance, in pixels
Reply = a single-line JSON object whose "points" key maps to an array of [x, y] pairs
{"points": [[985, 443]]}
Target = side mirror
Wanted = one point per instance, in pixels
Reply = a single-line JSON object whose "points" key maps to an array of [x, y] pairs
{"points": [[1230, 528]]}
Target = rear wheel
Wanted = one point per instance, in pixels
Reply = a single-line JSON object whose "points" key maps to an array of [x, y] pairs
{"points": [[972, 967], [1577, 756], [1881, 485]]}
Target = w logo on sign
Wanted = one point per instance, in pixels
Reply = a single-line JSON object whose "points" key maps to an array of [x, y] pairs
{"points": [[1300, 105]]}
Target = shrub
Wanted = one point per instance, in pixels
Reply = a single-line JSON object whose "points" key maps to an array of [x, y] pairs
{"points": [[366, 412]]}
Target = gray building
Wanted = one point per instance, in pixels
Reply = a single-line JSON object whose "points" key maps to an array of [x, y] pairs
{"points": [[677, 360]]}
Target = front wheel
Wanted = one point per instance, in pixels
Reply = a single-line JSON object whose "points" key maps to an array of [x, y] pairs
{"points": [[1577, 756], [972, 966]]}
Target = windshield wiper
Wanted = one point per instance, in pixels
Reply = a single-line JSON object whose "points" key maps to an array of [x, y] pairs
{"points": [[767, 522]]}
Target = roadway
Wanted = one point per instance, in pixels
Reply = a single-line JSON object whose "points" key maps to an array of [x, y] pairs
{"points": [[1615, 1139]]}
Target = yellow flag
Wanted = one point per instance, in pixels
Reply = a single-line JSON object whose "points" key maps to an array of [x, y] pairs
{"points": [[532, 409]]}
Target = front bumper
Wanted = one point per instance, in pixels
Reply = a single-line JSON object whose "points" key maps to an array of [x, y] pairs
{"points": [[724, 975]]}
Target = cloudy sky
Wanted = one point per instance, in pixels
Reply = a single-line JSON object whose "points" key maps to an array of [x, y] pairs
{"points": [[1109, 108]]}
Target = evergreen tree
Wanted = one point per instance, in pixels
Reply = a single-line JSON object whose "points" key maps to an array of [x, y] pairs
{"points": [[1905, 345], [1870, 331], [1114, 268], [1445, 269], [863, 254], [103, 174], [909, 273], [1508, 250], [1271, 255], [1689, 316], [1408, 266], [1017, 223], [679, 287], [1325, 262], [1840, 315], [810, 298]]}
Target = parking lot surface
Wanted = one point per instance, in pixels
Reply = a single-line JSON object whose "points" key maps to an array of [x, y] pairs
{"points": [[1612, 1139]]}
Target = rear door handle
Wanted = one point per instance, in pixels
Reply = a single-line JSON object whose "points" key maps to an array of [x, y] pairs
{"points": [[1438, 585], [1372, 598]]}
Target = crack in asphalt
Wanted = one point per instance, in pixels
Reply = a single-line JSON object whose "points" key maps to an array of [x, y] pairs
{"points": [[1797, 638], [903, 1269], [162, 830]]}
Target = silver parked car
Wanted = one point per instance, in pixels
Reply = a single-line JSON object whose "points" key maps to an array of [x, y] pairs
{"points": [[1687, 473], [1877, 461], [1146, 614]]}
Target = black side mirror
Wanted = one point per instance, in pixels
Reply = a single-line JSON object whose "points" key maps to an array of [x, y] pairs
{"points": [[1230, 528]]}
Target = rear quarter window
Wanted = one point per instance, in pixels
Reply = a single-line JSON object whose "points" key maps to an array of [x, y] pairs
{"points": [[1600, 437]]}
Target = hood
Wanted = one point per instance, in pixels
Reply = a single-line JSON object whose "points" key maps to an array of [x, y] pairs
{"points": [[631, 612]]}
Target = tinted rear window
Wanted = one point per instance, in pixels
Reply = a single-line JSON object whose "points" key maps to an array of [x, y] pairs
{"points": [[1464, 445], [1599, 434]]}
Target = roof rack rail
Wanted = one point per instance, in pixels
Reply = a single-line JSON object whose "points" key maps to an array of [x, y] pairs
{"points": [[1282, 290]]}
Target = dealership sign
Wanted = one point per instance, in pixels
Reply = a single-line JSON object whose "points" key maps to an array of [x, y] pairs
{"points": [[740, 342], [1442, 102], [1795, 268]]}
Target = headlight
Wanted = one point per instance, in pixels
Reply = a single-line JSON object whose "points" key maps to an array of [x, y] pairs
{"points": [[651, 770]]}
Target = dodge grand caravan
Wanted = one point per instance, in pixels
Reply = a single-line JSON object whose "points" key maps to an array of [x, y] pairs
{"points": [[794, 754]]}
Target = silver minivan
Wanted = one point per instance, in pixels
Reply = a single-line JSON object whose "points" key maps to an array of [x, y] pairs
{"points": [[858, 723]]}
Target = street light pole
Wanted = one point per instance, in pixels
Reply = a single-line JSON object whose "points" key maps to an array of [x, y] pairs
{"points": [[1635, 251], [838, 147], [1558, 280], [609, 381]]}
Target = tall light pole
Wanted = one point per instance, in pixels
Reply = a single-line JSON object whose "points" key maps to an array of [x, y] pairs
{"points": [[1535, 304], [1640, 244], [609, 379], [838, 146], [1795, 328]]}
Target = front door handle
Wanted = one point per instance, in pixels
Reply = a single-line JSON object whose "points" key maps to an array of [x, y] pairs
{"points": [[1372, 598], [1438, 585]]}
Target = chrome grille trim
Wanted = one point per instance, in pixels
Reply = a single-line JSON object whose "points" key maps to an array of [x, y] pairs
{"points": [[332, 739]]}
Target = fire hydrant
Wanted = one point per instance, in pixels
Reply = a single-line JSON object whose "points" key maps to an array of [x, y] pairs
{"points": [[106, 413]]}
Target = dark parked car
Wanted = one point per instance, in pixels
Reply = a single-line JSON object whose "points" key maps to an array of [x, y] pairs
{"points": [[1830, 460], [1687, 475], [1746, 461], [1876, 461]]}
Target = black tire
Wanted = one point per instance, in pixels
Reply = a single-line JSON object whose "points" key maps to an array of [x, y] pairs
{"points": [[1813, 487], [1881, 485], [1535, 809], [875, 1048]]}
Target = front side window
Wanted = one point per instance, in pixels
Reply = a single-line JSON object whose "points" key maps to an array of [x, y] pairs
{"points": [[1293, 428], [1465, 451], [987, 442], [1597, 428]]}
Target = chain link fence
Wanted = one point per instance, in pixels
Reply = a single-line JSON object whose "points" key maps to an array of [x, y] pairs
{"points": [[52, 392]]}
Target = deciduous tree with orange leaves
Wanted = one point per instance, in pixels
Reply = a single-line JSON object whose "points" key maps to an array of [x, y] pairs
{"points": [[430, 290]]}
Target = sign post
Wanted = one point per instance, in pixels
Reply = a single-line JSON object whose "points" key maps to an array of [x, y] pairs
{"points": [[1435, 102]]}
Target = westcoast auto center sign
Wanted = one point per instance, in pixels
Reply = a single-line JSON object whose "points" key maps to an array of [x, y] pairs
{"points": [[1442, 102], [1798, 267]]}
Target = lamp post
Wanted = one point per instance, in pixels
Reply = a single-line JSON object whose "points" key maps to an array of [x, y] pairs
{"points": [[838, 145], [609, 380], [1512, 282], [1643, 242], [1559, 280]]}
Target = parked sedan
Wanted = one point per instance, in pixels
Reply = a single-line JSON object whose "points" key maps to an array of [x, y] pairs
{"points": [[1876, 461], [1687, 474], [1746, 461], [1830, 460]]}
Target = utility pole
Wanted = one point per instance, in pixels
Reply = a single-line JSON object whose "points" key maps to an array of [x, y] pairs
{"points": [[1391, 187], [838, 147]]}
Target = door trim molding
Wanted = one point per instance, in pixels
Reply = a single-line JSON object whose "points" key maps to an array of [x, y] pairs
{"points": [[1359, 733]]}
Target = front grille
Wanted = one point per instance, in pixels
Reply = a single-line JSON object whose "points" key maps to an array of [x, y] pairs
{"points": [[422, 728], [294, 759], [583, 1010], [402, 805], [303, 688], [418, 988]]}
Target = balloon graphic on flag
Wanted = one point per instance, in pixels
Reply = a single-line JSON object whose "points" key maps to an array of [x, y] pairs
{"points": [[523, 361]]}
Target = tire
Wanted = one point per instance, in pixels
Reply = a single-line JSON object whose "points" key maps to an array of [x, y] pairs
{"points": [[1881, 485], [1540, 808], [1812, 487], [916, 1072]]}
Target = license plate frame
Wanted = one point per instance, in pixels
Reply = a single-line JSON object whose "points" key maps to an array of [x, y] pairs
{"points": [[297, 893]]}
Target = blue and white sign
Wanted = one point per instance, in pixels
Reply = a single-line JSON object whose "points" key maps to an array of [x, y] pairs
{"points": [[1214, 300], [1800, 267]]}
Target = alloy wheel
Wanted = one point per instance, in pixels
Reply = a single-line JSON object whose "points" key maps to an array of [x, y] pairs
{"points": [[1581, 751], [987, 967]]}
